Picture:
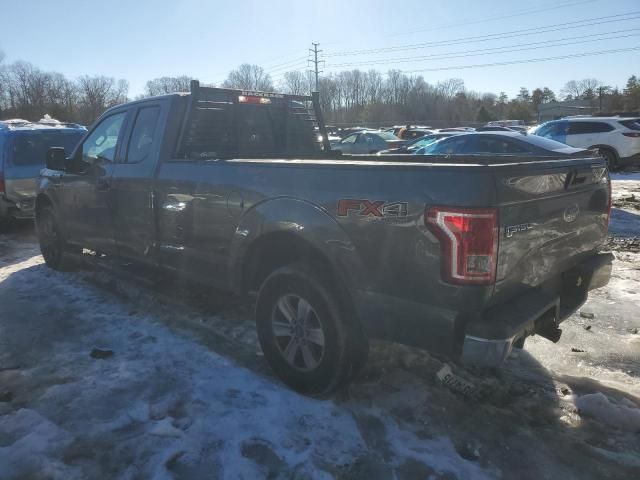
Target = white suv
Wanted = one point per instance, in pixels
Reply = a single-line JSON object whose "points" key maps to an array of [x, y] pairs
{"points": [[616, 138]]}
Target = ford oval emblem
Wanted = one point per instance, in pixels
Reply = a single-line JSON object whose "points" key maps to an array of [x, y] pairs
{"points": [[571, 213]]}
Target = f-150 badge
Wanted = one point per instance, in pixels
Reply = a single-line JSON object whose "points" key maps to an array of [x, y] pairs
{"points": [[511, 230], [375, 208]]}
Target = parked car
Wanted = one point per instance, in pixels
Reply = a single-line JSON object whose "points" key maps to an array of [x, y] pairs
{"points": [[397, 129], [368, 142], [415, 145], [506, 123], [499, 143], [414, 133], [457, 129], [345, 132], [495, 128], [464, 259], [616, 138], [23, 145]]}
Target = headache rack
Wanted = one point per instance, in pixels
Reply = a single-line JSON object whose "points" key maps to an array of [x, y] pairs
{"points": [[227, 123]]}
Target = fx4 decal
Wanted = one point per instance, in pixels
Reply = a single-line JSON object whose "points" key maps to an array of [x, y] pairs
{"points": [[376, 208]]}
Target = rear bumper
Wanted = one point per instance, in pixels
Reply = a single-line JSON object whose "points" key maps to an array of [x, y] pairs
{"points": [[19, 210], [489, 340]]}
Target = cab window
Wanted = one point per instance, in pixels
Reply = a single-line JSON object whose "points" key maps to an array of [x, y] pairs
{"points": [[350, 138], [143, 134], [100, 145]]}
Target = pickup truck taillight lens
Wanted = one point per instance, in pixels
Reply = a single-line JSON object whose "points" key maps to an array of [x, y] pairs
{"points": [[2, 187], [468, 241]]}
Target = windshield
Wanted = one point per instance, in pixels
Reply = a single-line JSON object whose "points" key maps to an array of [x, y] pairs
{"points": [[423, 142], [30, 148], [387, 136]]}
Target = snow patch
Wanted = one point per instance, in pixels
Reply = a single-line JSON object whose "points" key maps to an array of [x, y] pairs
{"points": [[602, 409]]}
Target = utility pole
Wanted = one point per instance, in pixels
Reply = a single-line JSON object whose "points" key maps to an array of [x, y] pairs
{"points": [[316, 63], [600, 97]]}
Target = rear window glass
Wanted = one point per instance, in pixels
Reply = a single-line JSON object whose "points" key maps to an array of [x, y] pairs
{"points": [[488, 144], [30, 148], [387, 136], [543, 142], [577, 128], [245, 130], [633, 124]]}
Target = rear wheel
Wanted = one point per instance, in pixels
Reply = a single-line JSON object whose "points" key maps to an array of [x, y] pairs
{"points": [[611, 157], [305, 332], [55, 250]]}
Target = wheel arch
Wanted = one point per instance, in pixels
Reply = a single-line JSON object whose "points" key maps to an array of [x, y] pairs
{"points": [[606, 147], [43, 200], [288, 230]]}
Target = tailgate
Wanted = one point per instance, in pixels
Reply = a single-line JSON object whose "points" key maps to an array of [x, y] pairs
{"points": [[551, 217]]}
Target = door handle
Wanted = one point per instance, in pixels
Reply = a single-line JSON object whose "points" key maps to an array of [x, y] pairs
{"points": [[103, 185]]}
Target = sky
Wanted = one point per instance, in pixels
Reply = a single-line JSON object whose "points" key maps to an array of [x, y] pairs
{"points": [[139, 40]]}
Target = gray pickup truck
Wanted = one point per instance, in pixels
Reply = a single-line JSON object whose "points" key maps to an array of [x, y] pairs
{"points": [[463, 255]]}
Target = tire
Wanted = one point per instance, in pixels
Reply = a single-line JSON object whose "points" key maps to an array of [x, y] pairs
{"points": [[611, 157], [305, 331], [53, 245]]}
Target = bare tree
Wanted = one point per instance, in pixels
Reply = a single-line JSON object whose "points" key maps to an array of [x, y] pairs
{"points": [[583, 89], [450, 87], [248, 77], [164, 85], [98, 93], [295, 83]]}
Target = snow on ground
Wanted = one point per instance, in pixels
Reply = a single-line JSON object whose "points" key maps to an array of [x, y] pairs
{"points": [[176, 390]]}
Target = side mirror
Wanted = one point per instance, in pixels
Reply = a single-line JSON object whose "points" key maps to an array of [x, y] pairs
{"points": [[56, 159]]}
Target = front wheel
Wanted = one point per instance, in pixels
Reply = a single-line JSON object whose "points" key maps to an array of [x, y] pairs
{"points": [[305, 332], [55, 250]]}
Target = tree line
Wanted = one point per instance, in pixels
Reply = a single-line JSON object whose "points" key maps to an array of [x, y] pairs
{"points": [[347, 97]]}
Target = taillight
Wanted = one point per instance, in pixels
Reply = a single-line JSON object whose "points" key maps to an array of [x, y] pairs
{"points": [[2, 187], [252, 100], [631, 134], [468, 241]]}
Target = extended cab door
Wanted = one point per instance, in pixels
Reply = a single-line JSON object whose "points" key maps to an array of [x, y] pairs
{"points": [[132, 183], [86, 183]]}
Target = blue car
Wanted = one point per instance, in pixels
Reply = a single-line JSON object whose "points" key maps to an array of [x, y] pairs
{"points": [[23, 146]]}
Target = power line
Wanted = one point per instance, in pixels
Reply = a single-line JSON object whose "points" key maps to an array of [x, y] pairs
{"points": [[518, 13], [488, 51], [289, 67], [495, 36], [275, 67], [530, 60]]}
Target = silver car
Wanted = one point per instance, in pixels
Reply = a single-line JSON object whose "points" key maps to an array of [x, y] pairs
{"points": [[368, 142], [23, 146]]}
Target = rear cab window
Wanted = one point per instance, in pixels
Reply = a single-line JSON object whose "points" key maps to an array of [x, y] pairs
{"points": [[241, 124]]}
